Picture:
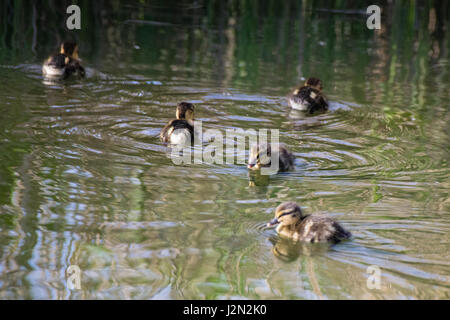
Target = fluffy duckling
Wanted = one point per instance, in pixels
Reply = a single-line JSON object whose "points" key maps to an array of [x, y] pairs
{"points": [[64, 63], [260, 156], [294, 224], [181, 129], [309, 97]]}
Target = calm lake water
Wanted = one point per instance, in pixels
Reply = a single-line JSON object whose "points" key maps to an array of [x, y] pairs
{"points": [[85, 181]]}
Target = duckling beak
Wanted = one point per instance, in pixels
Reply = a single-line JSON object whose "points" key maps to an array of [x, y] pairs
{"points": [[273, 222], [253, 166]]}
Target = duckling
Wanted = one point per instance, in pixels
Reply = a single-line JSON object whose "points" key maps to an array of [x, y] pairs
{"points": [[309, 97], [64, 63], [260, 156], [181, 129], [292, 223]]}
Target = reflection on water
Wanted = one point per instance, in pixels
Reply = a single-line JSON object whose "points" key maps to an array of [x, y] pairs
{"points": [[85, 181], [288, 250]]}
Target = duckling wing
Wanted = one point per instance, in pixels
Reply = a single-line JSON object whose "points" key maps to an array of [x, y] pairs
{"points": [[340, 233], [78, 68], [56, 60], [287, 159], [54, 66], [308, 99], [164, 135], [74, 67], [320, 103], [174, 125], [299, 100]]}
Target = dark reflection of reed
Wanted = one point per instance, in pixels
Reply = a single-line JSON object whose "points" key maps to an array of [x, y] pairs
{"points": [[70, 190]]}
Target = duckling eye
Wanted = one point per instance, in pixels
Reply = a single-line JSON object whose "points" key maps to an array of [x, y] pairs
{"points": [[285, 214]]}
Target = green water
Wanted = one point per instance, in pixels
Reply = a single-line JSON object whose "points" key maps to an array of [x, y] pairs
{"points": [[85, 181]]}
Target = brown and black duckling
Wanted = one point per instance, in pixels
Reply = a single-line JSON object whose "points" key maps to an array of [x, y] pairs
{"points": [[309, 97], [292, 223], [181, 129], [65, 63], [261, 154]]}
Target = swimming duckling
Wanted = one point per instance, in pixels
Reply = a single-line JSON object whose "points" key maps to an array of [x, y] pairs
{"points": [[181, 129], [309, 97], [294, 224], [260, 157], [64, 63]]}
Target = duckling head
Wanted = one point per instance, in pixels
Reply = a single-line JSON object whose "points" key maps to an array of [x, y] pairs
{"points": [[260, 156], [70, 49], [315, 83], [286, 214], [185, 111]]}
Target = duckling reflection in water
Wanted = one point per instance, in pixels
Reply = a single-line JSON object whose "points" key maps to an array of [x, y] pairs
{"points": [[255, 178], [261, 157], [180, 131], [65, 63], [292, 223], [309, 97], [287, 250]]}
